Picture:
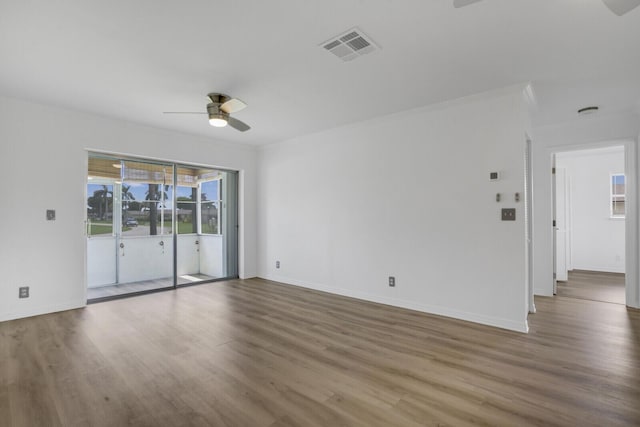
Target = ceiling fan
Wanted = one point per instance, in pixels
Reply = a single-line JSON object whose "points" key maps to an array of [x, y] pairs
{"points": [[619, 7], [219, 110]]}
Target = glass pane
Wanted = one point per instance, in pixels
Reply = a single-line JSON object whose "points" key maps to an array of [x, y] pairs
{"points": [[209, 191], [147, 199], [186, 210], [617, 184], [99, 209], [145, 246], [200, 244], [209, 217], [189, 194], [618, 208]]}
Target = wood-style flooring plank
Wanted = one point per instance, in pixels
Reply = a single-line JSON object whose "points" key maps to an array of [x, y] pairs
{"points": [[258, 353], [594, 285]]}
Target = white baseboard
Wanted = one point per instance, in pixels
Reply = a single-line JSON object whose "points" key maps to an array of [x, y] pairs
{"points": [[36, 311], [248, 275], [600, 269], [411, 305]]}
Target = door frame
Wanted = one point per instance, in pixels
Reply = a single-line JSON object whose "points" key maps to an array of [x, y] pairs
{"points": [[632, 283], [234, 225], [561, 218]]}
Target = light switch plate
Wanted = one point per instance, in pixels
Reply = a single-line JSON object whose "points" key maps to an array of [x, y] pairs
{"points": [[51, 215]]}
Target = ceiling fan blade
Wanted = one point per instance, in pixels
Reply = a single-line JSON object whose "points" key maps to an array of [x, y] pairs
{"points": [[620, 7], [183, 112], [233, 105], [462, 3], [237, 124]]}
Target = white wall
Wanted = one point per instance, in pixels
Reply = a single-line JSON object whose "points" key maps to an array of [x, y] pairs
{"points": [[145, 258], [211, 259], [101, 261], [406, 195], [586, 132], [44, 166], [597, 241], [188, 261]]}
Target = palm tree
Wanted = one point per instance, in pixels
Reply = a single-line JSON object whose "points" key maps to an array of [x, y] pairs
{"points": [[154, 196], [104, 195], [127, 196]]}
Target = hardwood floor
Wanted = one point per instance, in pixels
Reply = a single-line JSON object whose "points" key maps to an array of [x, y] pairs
{"points": [[594, 285], [257, 353]]}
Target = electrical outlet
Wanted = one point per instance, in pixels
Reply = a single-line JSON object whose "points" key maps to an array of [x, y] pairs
{"points": [[277, 264], [23, 292], [392, 281]]}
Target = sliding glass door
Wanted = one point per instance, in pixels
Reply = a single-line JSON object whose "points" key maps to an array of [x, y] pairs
{"points": [[153, 225], [144, 231]]}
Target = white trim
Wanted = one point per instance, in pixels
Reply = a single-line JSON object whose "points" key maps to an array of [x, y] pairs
{"points": [[411, 305], [85, 235], [529, 206], [632, 284], [243, 273], [44, 309]]}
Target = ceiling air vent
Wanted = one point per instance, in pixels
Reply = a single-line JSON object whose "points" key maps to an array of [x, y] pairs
{"points": [[350, 45]]}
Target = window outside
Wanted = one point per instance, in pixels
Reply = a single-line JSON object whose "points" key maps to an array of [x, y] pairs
{"points": [[617, 196]]}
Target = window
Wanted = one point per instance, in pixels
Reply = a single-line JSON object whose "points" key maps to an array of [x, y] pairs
{"points": [[210, 207], [617, 195], [99, 208], [187, 210], [147, 198]]}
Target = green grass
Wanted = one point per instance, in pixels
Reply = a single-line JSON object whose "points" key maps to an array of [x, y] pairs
{"points": [[185, 228], [97, 228], [103, 227]]}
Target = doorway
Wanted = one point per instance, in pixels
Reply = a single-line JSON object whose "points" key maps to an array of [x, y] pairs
{"points": [[589, 188], [157, 225]]}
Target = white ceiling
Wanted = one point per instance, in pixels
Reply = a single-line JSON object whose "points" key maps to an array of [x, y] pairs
{"points": [[136, 59]]}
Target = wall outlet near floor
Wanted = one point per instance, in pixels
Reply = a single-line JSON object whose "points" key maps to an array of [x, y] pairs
{"points": [[392, 281], [23, 292], [277, 264]]}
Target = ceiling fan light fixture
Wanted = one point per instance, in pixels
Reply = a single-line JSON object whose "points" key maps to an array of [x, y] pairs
{"points": [[219, 111], [217, 117], [217, 121]]}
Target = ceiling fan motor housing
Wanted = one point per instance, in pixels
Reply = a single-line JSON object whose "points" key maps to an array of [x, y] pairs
{"points": [[214, 111], [218, 98]]}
